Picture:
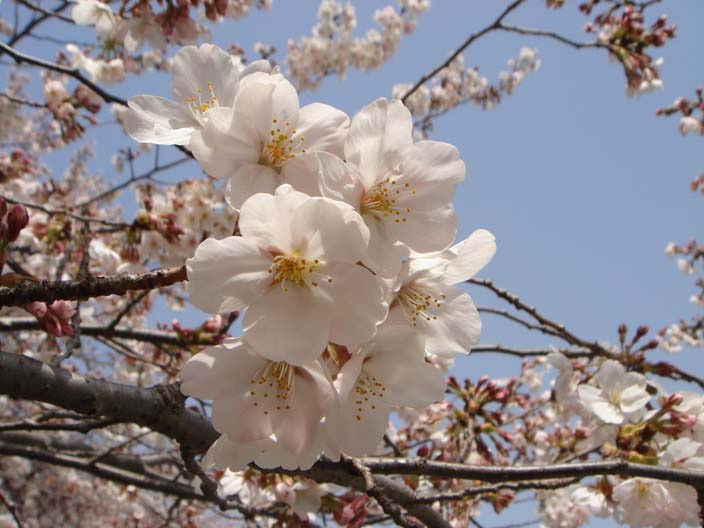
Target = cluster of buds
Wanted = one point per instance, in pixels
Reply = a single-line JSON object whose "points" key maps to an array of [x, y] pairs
{"points": [[628, 38], [692, 120], [15, 165], [12, 221]]}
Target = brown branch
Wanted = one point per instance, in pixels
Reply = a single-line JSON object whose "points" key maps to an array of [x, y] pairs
{"points": [[485, 490], [54, 212], [551, 35], [531, 352], [12, 508], [488, 29], [34, 23], [160, 408], [371, 488], [50, 291], [122, 332], [79, 427], [39, 9]]}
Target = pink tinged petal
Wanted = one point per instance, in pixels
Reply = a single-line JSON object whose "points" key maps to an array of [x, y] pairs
{"points": [[84, 13], [595, 400], [347, 377], [226, 454], [323, 127], [291, 326], [358, 305], [397, 361], [254, 102], [157, 120], [337, 181], [433, 162], [240, 419], [226, 142], [384, 255], [329, 230], [611, 375], [194, 67], [219, 371], [472, 255], [297, 427], [301, 173], [227, 275], [426, 231], [457, 327], [266, 219], [376, 137], [634, 398], [249, 180], [356, 432]]}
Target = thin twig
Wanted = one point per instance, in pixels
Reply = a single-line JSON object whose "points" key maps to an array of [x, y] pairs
{"points": [[488, 29]]}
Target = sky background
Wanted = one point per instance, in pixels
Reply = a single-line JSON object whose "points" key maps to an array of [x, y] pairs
{"points": [[582, 186]]}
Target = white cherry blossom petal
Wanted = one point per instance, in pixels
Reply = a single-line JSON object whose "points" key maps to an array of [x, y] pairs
{"points": [[227, 275]]}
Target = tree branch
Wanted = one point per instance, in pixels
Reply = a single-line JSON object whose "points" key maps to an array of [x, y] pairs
{"points": [[488, 29], [50, 291]]}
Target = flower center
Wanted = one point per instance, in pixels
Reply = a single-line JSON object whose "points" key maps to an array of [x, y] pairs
{"points": [[614, 396], [274, 385], [419, 301], [292, 268], [281, 146], [381, 201], [198, 105], [367, 390]]}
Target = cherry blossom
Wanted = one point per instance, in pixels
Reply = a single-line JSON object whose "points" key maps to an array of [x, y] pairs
{"points": [[426, 299], [267, 140], [617, 393], [95, 13], [388, 371], [254, 397], [203, 78], [294, 268], [402, 190]]}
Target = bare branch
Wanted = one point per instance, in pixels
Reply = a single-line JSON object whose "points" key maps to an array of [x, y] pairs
{"points": [[488, 29], [50, 291]]}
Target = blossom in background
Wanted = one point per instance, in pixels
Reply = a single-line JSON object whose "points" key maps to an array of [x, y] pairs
{"points": [[140, 28], [617, 393], [294, 268], [95, 13], [267, 140], [203, 78], [402, 190]]}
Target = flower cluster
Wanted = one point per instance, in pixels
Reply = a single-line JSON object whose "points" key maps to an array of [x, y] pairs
{"points": [[342, 259], [333, 49], [456, 84]]}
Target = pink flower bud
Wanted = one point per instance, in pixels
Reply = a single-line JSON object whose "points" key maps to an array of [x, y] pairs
{"points": [[17, 220]]}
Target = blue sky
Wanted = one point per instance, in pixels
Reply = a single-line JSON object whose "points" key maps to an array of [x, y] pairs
{"points": [[582, 186]]}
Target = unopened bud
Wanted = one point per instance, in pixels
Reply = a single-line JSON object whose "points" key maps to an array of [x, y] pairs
{"points": [[17, 220], [3, 207], [423, 451]]}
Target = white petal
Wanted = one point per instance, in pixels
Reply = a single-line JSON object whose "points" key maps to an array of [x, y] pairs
{"points": [[84, 13], [433, 169], [249, 180], [595, 401], [323, 127], [457, 327], [301, 173], [398, 362], [384, 256], [194, 67], [157, 120], [266, 219], [358, 303], [219, 371], [633, 398], [289, 326], [226, 142], [329, 230], [611, 375], [337, 181], [227, 275], [472, 255], [426, 231], [376, 137]]}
